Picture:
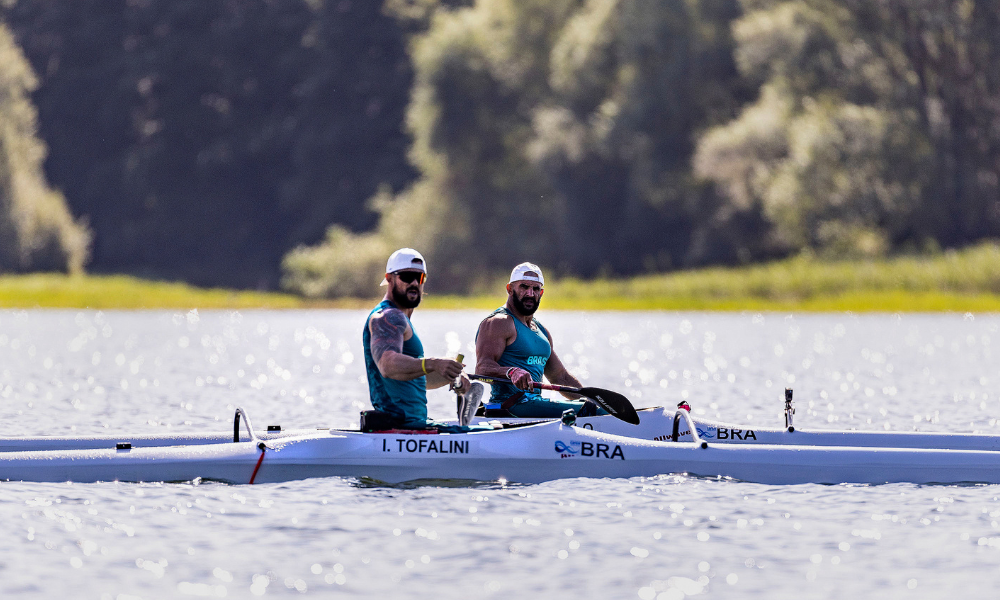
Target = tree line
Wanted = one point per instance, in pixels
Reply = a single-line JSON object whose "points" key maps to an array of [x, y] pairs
{"points": [[298, 143], [202, 140]]}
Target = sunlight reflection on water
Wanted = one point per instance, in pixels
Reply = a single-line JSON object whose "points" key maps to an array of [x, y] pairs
{"points": [[662, 537]]}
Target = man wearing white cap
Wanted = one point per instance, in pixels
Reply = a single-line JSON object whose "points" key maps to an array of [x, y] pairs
{"points": [[398, 372], [512, 344]]}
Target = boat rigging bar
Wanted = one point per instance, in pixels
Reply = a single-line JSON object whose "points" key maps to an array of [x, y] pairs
{"points": [[246, 421], [684, 411], [789, 410]]}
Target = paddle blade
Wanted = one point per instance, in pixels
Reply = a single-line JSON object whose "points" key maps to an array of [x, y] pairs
{"points": [[613, 402], [468, 404]]}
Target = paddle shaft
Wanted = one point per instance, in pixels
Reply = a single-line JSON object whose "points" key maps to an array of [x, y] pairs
{"points": [[613, 402], [455, 383], [542, 386]]}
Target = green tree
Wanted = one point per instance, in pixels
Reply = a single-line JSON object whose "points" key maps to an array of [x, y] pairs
{"points": [[952, 50], [633, 83], [204, 140], [827, 152], [557, 131], [876, 127], [37, 231], [478, 72]]}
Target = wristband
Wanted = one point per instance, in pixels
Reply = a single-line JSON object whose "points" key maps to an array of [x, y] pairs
{"points": [[509, 371], [423, 365]]}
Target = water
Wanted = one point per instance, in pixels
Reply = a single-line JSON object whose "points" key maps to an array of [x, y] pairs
{"points": [[666, 537]]}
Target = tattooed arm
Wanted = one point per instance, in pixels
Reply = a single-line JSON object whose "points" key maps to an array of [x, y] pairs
{"points": [[389, 328]]}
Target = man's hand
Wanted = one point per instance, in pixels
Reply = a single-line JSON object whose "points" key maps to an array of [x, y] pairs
{"points": [[463, 385], [520, 378], [447, 368]]}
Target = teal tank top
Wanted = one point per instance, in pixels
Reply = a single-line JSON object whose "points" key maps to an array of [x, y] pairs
{"points": [[405, 400], [530, 351]]}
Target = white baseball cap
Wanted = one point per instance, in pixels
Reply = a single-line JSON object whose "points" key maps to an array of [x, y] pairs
{"points": [[404, 258], [527, 271]]}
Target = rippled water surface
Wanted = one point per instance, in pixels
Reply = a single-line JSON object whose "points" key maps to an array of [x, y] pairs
{"points": [[666, 538]]}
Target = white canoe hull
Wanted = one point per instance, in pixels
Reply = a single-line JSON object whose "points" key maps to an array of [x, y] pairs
{"points": [[656, 424], [526, 454]]}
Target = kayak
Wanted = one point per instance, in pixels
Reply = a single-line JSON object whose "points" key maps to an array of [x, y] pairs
{"points": [[527, 453], [656, 424]]}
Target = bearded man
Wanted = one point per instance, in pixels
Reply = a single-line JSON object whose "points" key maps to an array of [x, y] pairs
{"points": [[511, 343], [398, 372]]}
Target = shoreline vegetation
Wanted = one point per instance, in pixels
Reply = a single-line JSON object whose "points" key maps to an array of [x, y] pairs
{"points": [[965, 281]]}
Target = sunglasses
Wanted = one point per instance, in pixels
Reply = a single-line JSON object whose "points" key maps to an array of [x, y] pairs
{"points": [[411, 276]]}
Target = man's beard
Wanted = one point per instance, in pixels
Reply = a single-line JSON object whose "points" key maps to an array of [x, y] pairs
{"points": [[521, 308], [400, 298]]}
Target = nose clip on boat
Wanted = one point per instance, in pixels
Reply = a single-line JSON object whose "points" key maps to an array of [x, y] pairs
{"points": [[789, 410], [569, 417]]}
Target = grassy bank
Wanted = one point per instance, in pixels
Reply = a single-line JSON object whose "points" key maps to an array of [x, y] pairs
{"points": [[961, 281], [46, 290], [956, 281]]}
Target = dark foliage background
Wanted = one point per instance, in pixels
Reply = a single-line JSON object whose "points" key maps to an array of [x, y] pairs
{"points": [[205, 139], [297, 143]]}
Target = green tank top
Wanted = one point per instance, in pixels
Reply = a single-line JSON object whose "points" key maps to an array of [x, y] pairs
{"points": [[405, 400], [530, 351]]}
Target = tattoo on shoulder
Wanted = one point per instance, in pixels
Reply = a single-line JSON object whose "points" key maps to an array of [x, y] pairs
{"points": [[388, 328]]}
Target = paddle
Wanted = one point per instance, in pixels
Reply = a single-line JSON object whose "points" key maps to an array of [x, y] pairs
{"points": [[613, 402], [467, 403]]}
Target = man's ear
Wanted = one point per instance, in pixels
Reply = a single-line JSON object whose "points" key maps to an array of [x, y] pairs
{"points": [[508, 288]]}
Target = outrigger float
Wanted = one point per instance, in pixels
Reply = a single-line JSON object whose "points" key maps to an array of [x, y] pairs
{"points": [[666, 441]]}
